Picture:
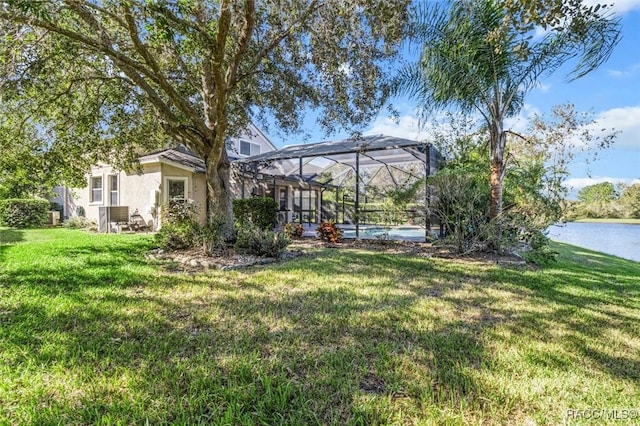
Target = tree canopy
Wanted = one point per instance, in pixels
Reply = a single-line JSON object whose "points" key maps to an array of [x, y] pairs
{"points": [[598, 193], [100, 75]]}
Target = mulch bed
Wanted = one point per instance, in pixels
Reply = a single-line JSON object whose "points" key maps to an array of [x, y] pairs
{"points": [[192, 261]]}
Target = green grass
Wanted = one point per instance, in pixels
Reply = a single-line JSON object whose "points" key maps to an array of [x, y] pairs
{"points": [[92, 333], [625, 221]]}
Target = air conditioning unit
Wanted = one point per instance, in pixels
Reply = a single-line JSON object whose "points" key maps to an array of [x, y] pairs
{"points": [[112, 215]]}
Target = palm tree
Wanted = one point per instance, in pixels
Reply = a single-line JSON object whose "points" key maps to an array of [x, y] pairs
{"points": [[477, 57]]}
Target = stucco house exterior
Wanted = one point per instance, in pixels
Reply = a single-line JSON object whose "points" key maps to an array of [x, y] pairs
{"points": [[162, 175]]}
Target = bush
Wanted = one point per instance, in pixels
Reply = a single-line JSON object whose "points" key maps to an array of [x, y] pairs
{"points": [[261, 212], [293, 230], [328, 231], [259, 242], [175, 236], [541, 254], [179, 211], [78, 222], [211, 237], [24, 213], [461, 205], [180, 228]]}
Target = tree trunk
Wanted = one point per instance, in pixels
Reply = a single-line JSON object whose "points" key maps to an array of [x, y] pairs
{"points": [[498, 142], [495, 181], [219, 203]]}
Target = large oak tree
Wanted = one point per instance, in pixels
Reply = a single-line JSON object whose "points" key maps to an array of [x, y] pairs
{"points": [[99, 76]]}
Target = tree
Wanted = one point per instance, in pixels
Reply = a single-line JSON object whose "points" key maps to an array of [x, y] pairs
{"points": [[550, 145], [198, 70], [630, 200], [598, 193], [480, 57], [536, 166]]}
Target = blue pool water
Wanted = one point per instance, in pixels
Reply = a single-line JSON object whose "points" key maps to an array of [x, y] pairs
{"points": [[405, 233]]}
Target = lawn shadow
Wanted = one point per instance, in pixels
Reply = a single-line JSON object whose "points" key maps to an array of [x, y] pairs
{"points": [[293, 355], [10, 236], [243, 347]]}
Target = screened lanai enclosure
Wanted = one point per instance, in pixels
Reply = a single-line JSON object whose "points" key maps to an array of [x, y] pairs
{"points": [[361, 183]]}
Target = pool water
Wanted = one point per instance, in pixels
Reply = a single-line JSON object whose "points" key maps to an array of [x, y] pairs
{"points": [[386, 233]]}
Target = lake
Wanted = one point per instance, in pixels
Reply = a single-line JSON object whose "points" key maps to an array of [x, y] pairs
{"points": [[622, 240]]}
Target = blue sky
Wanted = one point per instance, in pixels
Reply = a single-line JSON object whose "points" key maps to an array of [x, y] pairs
{"points": [[611, 93]]}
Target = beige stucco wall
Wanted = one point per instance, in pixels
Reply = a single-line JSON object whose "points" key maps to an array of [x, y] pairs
{"points": [[137, 191], [65, 197], [196, 187]]}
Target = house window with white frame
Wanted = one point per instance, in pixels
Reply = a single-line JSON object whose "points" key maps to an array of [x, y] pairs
{"points": [[113, 190], [176, 188], [249, 149], [95, 183]]}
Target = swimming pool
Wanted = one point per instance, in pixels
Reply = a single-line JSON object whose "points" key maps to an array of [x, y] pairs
{"points": [[405, 233]]}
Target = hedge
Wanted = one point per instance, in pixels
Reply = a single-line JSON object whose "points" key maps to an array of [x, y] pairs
{"points": [[23, 213], [259, 211]]}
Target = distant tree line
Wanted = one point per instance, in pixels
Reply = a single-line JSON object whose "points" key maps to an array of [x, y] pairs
{"points": [[606, 200]]}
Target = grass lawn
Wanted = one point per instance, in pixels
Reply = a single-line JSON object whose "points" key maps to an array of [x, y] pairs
{"points": [[92, 333]]}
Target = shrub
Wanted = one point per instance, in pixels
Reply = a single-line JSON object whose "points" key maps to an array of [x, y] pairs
{"points": [[23, 213], [175, 236], [259, 211], [328, 231], [293, 230], [260, 242], [78, 222], [179, 211], [180, 228], [541, 254], [211, 237], [461, 205]]}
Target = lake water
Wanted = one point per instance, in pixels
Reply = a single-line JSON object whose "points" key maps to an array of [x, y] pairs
{"points": [[622, 240]]}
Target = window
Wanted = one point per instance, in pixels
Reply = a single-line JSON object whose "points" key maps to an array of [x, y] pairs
{"points": [[113, 190], [95, 182], [283, 198], [176, 188], [249, 149]]}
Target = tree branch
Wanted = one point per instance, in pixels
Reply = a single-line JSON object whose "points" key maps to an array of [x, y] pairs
{"points": [[313, 6], [243, 43]]}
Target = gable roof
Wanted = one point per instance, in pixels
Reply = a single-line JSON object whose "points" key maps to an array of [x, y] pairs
{"points": [[260, 133], [183, 159], [186, 159]]}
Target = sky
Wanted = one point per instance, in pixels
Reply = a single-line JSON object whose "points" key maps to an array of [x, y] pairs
{"points": [[611, 94]]}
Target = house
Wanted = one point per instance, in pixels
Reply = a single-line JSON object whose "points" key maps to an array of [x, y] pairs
{"points": [[113, 195], [295, 176]]}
